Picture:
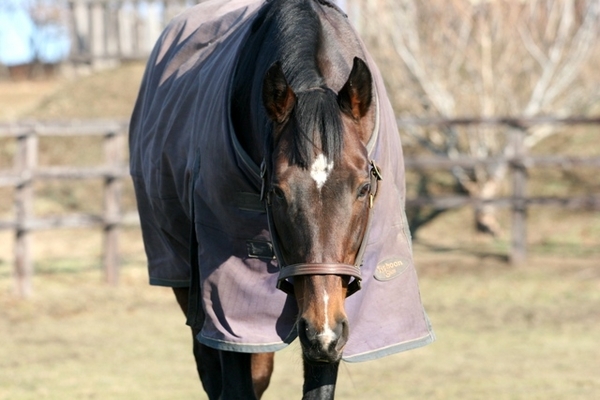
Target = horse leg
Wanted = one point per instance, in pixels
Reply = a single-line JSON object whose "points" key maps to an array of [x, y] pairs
{"points": [[319, 380], [262, 369], [215, 366], [207, 359], [245, 375], [236, 369], [208, 367]]}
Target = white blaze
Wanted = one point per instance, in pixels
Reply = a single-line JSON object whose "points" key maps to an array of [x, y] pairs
{"points": [[320, 170], [327, 336]]}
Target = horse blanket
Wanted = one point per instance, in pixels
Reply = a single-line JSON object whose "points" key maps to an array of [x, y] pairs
{"points": [[189, 171]]}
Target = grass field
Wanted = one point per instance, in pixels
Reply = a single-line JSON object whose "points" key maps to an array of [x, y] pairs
{"points": [[526, 332]]}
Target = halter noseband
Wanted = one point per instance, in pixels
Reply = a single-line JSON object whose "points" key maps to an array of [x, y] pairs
{"points": [[288, 271]]}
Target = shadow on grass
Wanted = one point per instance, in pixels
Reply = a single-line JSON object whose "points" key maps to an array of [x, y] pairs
{"points": [[495, 252], [500, 251], [62, 266]]}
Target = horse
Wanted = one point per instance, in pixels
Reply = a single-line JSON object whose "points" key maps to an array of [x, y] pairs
{"points": [[259, 143]]}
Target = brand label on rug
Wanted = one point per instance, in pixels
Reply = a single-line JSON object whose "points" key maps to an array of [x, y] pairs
{"points": [[389, 269]]}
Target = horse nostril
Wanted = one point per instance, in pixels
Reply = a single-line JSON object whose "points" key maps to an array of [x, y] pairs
{"points": [[305, 334], [341, 331]]}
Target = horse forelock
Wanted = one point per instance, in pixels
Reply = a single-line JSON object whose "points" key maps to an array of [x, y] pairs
{"points": [[316, 116], [291, 32], [318, 127]]}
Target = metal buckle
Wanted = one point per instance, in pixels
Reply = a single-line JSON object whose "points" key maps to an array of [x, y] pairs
{"points": [[375, 171], [375, 177]]}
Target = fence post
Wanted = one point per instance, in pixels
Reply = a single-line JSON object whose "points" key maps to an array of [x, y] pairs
{"points": [[518, 251], [25, 164], [112, 201], [97, 33], [79, 28]]}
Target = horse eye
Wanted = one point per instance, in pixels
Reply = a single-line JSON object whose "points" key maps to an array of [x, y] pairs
{"points": [[278, 193], [364, 190]]}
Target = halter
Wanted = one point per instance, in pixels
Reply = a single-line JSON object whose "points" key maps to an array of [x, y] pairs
{"points": [[288, 271]]}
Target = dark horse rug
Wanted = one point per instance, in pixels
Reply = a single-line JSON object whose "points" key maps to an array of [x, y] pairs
{"points": [[186, 164]]}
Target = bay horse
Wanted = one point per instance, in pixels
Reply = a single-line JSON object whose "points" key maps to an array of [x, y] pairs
{"points": [[258, 144]]}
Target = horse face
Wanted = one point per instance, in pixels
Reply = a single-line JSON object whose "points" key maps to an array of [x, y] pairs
{"points": [[320, 215], [320, 210]]}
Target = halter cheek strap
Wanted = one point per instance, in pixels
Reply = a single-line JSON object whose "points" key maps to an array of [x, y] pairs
{"points": [[289, 271]]}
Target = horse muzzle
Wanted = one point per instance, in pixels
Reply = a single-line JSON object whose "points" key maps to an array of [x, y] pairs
{"points": [[323, 346]]}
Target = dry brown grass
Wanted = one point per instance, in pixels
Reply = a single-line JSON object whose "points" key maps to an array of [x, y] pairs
{"points": [[20, 98], [503, 333], [109, 93]]}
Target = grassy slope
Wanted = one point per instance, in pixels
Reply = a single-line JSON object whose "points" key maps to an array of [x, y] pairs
{"points": [[108, 93]]}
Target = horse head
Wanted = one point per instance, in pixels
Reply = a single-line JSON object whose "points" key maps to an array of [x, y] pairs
{"points": [[318, 187]]}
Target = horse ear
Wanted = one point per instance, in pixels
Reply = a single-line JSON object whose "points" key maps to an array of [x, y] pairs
{"points": [[356, 96], [278, 96]]}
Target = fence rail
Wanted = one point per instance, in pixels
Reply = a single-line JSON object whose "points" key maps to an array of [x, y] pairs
{"points": [[518, 122], [26, 171], [429, 162], [586, 202]]}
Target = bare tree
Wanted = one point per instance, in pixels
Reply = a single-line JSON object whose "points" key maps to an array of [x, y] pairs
{"points": [[50, 18], [478, 58]]}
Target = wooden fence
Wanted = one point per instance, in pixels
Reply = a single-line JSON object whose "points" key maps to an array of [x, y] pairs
{"points": [[105, 31], [519, 163], [26, 171]]}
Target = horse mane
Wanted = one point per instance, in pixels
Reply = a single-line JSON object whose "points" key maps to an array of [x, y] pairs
{"points": [[289, 31]]}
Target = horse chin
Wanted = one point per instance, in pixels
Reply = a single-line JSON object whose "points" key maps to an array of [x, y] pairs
{"points": [[318, 357]]}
